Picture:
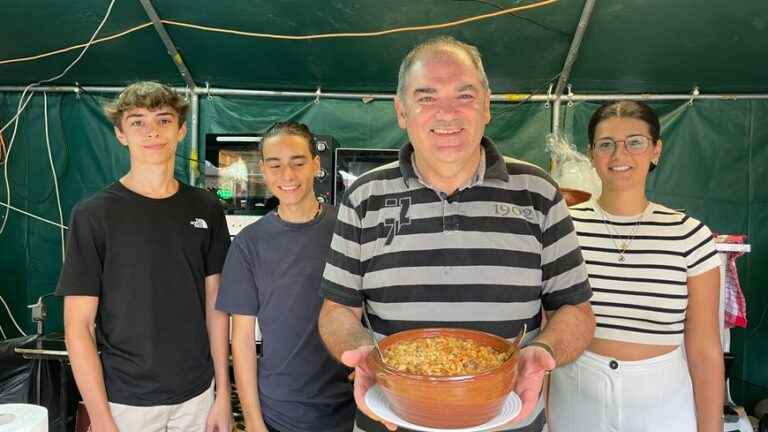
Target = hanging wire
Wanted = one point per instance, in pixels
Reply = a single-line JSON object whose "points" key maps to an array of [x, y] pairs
{"points": [[289, 37]]}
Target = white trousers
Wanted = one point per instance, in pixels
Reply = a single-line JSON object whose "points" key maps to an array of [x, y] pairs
{"points": [[597, 393], [189, 416]]}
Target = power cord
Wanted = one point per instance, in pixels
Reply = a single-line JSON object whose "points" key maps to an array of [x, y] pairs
{"points": [[366, 34], [13, 320], [512, 106], [62, 163], [15, 121], [2, 149], [23, 104], [293, 37], [34, 216], [529, 20], [53, 172]]}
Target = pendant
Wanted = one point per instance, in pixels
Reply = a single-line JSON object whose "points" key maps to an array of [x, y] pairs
{"points": [[621, 258]]}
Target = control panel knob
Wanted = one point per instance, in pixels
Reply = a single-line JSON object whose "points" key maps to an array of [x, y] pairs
{"points": [[321, 174], [321, 199], [321, 146]]}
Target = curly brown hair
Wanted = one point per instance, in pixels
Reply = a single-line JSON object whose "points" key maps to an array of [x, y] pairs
{"points": [[146, 94]]}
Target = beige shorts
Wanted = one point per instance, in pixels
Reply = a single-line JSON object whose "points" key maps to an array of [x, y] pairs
{"points": [[189, 416]]}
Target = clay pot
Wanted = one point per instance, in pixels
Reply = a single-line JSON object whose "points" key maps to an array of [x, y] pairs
{"points": [[446, 401], [574, 196]]}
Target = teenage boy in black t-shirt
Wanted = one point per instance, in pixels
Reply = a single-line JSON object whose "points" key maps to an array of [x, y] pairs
{"points": [[140, 279]]}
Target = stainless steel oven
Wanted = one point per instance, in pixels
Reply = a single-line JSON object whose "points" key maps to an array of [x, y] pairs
{"points": [[351, 163], [232, 171]]}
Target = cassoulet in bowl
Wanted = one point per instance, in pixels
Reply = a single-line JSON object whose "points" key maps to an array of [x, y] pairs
{"points": [[443, 377]]}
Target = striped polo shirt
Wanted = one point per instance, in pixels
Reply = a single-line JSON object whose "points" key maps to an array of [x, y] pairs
{"points": [[488, 257], [641, 295]]}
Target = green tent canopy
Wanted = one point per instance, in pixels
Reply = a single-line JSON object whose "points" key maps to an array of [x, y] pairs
{"points": [[715, 152]]}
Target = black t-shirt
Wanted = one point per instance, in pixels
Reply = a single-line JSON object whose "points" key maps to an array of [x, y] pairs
{"points": [[273, 271], [147, 259]]}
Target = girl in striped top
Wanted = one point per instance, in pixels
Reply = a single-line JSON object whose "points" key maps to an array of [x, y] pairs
{"points": [[655, 362]]}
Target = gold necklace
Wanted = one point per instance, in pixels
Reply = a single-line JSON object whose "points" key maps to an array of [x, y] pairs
{"points": [[622, 248]]}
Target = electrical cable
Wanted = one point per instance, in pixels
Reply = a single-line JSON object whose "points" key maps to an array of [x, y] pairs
{"points": [[63, 164], [366, 34], [74, 47], [13, 119], [2, 149], [510, 107], [53, 172], [71, 65], [13, 320], [7, 162], [34, 216], [529, 20], [23, 105], [289, 37]]}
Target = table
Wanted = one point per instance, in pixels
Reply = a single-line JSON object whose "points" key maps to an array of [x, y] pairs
{"points": [[50, 347]]}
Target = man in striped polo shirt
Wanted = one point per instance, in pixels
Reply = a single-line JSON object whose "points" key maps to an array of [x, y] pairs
{"points": [[455, 235]]}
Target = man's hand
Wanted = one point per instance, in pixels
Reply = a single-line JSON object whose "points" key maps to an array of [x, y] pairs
{"points": [[532, 364], [220, 416], [364, 379]]}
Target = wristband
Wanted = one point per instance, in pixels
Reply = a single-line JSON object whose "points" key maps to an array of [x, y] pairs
{"points": [[545, 346]]}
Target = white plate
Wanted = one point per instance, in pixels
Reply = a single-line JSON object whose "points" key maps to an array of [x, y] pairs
{"points": [[378, 403]]}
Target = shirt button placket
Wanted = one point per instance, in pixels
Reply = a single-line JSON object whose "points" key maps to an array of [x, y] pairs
{"points": [[617, 414], [446, 216], [455, 215]]}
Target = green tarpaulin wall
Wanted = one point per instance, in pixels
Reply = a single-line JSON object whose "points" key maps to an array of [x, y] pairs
{"points": [[713, 165], [631, 46]]}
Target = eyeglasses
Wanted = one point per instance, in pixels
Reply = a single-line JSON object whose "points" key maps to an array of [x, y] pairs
{"points": [[634, 144]]}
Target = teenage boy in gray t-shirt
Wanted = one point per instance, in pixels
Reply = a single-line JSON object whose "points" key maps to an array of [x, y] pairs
{"points": [[273, 272]]}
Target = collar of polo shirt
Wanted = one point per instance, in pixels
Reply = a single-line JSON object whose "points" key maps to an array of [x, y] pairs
{"points": [[493, 164]]}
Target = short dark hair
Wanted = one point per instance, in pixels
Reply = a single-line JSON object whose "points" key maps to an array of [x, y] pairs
{"points": [[290, 128], [436, 44], [626, 109], [145, 94]]}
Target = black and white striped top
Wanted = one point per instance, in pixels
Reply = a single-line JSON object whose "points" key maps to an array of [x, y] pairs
{"points": [[642, 299], [487, 257]]}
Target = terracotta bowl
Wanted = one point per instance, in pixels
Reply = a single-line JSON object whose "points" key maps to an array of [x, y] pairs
{"points": [[446, 401], [574, 196]]}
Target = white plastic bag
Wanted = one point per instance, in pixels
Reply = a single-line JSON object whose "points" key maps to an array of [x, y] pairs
{"points": [[572, 169]]}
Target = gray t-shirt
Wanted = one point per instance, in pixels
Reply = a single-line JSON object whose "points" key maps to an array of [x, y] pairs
{"points": [[273, 271]]}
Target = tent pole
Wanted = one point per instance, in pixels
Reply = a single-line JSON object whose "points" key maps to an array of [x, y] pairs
{"points": [[195, 170], [169, 45], [570, 59]]}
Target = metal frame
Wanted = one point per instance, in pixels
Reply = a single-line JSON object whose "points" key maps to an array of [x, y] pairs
{"points": [[555, 98], [570, 59], [168, 42], [194, 134], [195, 93], [501, 97]]}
